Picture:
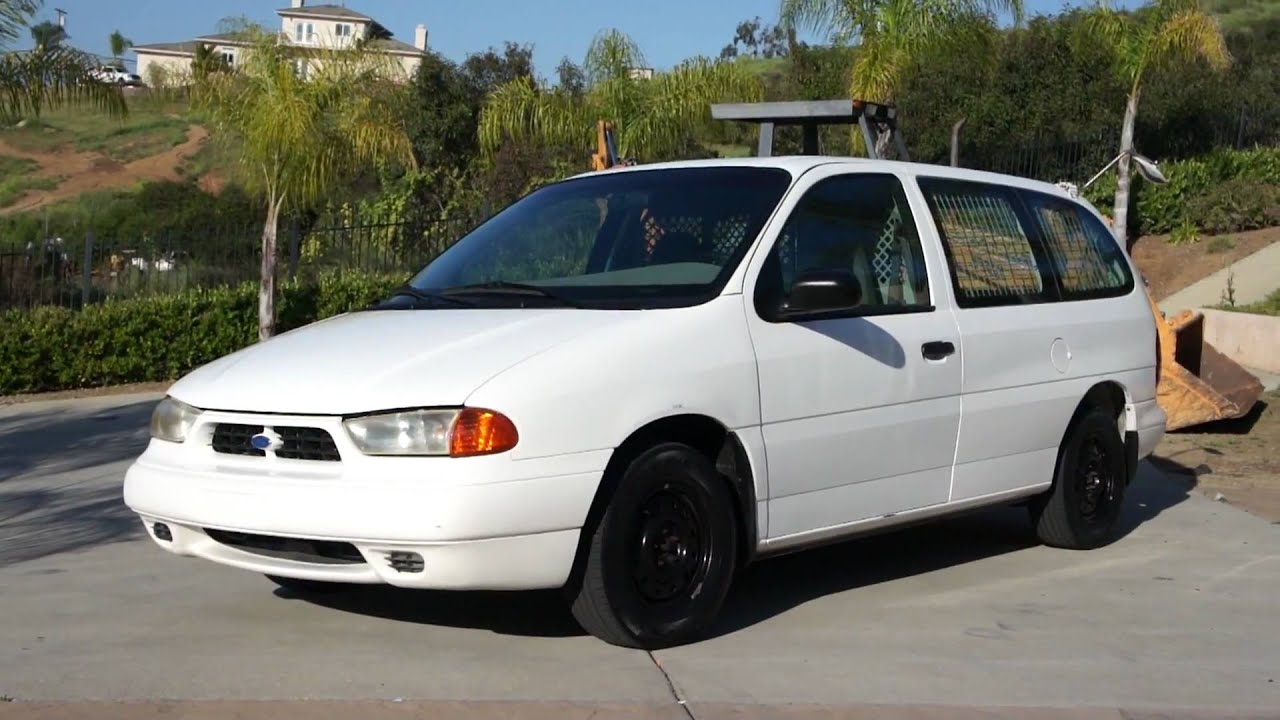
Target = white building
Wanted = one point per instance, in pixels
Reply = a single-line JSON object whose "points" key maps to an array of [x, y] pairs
{"points": [[318, 26]]}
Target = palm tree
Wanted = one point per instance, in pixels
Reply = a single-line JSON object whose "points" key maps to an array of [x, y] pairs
{"points": [[205, 60], [297, 137], [119, 44], [51, 74], [890, 35], [47, 34], [1155, 36], [654, 117]]}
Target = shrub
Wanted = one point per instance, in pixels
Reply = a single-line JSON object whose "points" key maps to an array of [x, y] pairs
{"points": [[161, 337], [1224, 191], [1235, 205]]}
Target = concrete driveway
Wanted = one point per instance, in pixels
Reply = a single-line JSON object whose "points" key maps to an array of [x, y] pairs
{"points": [[1177, 619]]}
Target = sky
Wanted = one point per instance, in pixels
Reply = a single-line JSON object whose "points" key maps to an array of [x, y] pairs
{"points": [[667, 31]]}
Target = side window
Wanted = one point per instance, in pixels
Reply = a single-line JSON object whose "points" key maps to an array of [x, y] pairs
{"points": [[991, 256], [1086, 259], [857, 223]]}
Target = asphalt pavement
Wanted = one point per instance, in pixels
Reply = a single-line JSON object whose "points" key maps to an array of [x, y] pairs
{"points": [[965, 618]]}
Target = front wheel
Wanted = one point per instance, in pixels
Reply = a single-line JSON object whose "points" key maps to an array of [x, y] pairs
{"points": [[1082, 509], [662, 557]]}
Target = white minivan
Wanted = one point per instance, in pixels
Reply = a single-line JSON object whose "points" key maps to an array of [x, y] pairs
{"points": [[632, 383]]}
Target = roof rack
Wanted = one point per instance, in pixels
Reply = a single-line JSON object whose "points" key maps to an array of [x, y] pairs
{"points": [[810, 115]]}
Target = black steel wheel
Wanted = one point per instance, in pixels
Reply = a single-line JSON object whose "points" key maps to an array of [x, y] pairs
{"points": [[1082, 509], [662, 557]]}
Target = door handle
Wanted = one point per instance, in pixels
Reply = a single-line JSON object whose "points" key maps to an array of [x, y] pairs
{"points": [[937, 350]]}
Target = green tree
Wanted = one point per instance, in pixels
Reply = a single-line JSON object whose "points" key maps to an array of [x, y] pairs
{"points": [[119, 44], [51, 74], [47, 34], [892, 34], [301, 123], [1157, 35], [654, 117]]}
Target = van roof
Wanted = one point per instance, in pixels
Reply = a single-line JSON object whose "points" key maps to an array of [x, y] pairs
{"points": [[799, 164]]}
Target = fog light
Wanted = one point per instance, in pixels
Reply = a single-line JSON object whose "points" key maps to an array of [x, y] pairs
{"points": [[405, 562], [162, 532]]}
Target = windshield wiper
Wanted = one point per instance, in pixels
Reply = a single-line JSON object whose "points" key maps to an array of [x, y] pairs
{"points": [[417, 294], [501, 287]]}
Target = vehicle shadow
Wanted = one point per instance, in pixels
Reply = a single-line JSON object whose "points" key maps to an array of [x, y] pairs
{"points": [[775, 586], [771, 587], [60, 479]]}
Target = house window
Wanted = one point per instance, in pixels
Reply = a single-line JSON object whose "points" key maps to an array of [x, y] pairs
{"points": [[304, 32], [228, 58], [300, 67], [343, 30]]}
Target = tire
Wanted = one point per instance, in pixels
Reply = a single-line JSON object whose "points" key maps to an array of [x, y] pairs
{"points": [[1082, 509], [301, 587], [662, 557]]}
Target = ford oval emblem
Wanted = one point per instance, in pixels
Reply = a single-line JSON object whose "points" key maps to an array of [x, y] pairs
{"points": [[265, 441]]}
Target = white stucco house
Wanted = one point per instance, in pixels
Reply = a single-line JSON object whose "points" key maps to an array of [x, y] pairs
{"points": [[302, 24]]}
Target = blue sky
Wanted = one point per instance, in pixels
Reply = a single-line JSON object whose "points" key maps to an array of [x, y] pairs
{"points": [[666, 30]]}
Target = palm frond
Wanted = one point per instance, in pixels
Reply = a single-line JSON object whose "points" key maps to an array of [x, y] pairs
{"points": [[1187, 35], [678, 102], [15, 15], [611, 56], [836, 18], [298, 136], [523, 111], [52, 77]]}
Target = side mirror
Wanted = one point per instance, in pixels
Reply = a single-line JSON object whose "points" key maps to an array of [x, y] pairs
{"points": [[818, 291]]}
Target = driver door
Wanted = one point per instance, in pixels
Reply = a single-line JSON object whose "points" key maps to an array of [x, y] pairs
{"points": [[860, 402]]}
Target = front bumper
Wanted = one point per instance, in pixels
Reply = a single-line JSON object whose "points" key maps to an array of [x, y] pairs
{"points": [[476, 523]]}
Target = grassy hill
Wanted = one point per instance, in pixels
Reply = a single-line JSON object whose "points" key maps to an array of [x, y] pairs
{"points": [[1243, 14], [69, 152]]}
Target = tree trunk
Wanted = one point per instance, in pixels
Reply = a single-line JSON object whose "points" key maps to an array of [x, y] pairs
{"points": [[1120, 218], [267, 281]]}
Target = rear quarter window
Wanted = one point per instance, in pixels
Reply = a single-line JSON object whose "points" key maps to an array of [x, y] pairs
{"points": [[1086, 260]]}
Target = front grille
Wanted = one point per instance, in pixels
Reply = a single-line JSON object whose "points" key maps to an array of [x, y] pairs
{"points": [[307, 443], [325, 552], [297, 443], [233, 439]]}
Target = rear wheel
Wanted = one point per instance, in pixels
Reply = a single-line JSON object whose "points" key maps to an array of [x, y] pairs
{"points": [[662, 557], [1083, 508]]}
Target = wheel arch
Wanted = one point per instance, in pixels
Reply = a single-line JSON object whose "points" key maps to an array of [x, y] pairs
{"points": [[1115, 398], [708, 436]]}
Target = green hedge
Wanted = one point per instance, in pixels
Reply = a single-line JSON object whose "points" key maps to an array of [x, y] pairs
{"points": [[161, 337], [1225, 191]]}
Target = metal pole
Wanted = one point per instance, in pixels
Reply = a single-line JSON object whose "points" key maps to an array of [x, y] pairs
{"points": [[867, 138], [86, 275], [810, 139], [764, 148], [955, 142]]}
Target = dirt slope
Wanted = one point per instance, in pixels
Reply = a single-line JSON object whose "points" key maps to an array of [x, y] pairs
{"points": [[87, 171]]}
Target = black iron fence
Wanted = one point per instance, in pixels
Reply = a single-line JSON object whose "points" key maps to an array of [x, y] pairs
{"points": [[74, 271]]}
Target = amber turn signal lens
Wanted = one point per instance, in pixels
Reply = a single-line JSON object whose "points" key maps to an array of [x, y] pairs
{"points": [[481, 432]]}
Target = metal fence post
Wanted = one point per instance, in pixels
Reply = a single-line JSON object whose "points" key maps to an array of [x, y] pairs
{"points": [[86, 276], [294, 241]]}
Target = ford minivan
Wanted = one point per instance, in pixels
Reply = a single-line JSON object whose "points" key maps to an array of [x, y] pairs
{"points": [[630, 384]]}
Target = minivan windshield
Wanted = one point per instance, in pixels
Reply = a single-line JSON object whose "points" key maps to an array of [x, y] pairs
{"points": [[631, 240]]}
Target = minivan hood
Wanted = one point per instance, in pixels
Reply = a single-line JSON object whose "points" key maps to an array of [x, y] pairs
{"points": [[377, 360]]}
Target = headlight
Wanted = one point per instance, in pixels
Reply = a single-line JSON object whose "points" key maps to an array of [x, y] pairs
{"points": [[461, 432], [172, 420]]}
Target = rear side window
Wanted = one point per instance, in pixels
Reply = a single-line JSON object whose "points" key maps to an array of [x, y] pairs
{"points": [[992, 258], [1086, 260]]}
